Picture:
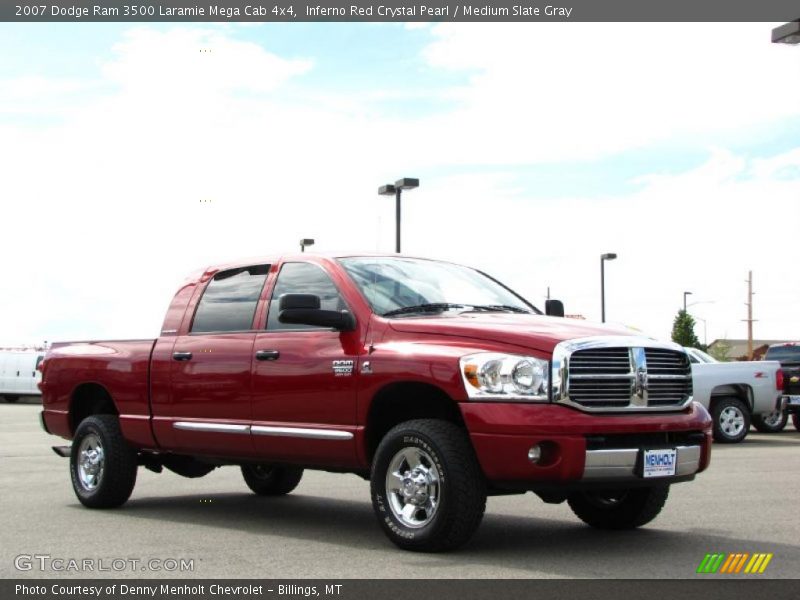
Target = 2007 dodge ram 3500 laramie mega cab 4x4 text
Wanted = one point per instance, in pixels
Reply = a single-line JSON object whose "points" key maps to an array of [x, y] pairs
{"points": [[433, 380]]}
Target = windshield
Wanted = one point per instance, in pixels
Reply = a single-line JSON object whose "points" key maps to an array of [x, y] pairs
{"points": [[787, 353], [405, 286]]}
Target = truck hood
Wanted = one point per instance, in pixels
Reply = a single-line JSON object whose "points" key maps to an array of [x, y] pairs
{"points": [[532, 331]]}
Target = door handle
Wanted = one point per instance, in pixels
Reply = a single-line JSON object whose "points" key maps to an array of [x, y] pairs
{"points": [[268, 355], [182, 355]]}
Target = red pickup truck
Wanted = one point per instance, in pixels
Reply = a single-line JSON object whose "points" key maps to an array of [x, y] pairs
{"points": [[434, 381]]}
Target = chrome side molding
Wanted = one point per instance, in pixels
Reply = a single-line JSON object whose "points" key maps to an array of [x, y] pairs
{"points": [[297, 432], [302, 432]]}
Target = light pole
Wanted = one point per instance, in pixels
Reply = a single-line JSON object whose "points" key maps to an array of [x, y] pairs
{"points": [[603, 259], [684, 299], [396, 190], [305, 242], [705, 336], [788, 33]]}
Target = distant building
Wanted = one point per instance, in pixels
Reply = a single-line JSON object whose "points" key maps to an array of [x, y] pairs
{"points": [[738, 348]]}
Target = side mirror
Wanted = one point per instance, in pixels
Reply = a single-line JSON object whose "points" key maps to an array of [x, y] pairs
{"points": [[288, 301], [554, 308], [304, 309]]}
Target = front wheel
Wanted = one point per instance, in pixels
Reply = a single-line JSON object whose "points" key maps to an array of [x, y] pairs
{"points": [[269, 480], [102, 464], [796, 421], [731, 420], [773, 422], [427, 488], [619, 509]]}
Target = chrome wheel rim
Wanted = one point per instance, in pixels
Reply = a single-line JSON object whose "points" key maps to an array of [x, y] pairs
{"points": [[413, 487], [774, 418], [731, 421], [91, 462]]}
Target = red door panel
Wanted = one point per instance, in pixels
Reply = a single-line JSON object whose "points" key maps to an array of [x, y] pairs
{"points": [[208, 408], [302, 409]]}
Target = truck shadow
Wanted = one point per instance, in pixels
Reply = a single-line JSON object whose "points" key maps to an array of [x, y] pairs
{"points": [[526, 544]]}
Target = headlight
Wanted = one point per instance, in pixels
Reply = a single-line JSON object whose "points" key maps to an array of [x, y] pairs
{"points": [[505, 377]]}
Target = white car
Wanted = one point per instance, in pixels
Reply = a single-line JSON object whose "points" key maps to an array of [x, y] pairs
{"points": [[19, 375], [736, 394]]}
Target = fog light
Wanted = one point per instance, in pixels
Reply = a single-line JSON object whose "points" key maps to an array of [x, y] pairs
{"points": [[535, 453]]}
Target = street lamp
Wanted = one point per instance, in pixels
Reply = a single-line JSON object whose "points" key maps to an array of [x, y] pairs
{"points": [[603, 259], [305, 242], [396, 190], [787, 34], [684, 299], [705, 333]]}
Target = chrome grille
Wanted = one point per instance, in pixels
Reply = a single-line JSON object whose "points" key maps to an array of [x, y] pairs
{"points": [[669, 377], [620, 378]]}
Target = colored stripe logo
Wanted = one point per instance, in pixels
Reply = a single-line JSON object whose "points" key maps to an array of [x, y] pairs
{"points": [[735, 563]]}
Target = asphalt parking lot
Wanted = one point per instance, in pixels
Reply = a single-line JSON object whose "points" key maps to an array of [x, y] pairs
{"points": [[747, 502]]}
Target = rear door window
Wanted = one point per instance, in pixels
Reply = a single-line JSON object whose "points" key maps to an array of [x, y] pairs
{"points": [[229, 300]]}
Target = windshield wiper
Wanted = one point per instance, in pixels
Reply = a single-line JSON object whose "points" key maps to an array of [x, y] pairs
{"points": [[421, 308], [500, 308]]}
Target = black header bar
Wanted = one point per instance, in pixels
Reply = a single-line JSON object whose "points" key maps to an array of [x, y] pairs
{"points": [[136, 11]]}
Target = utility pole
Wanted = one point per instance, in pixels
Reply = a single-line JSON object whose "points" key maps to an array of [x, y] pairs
{"points": [[749, 318]]}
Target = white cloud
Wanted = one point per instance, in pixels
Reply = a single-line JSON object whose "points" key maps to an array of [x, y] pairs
{"points": [[106, 203], [584, 90]]}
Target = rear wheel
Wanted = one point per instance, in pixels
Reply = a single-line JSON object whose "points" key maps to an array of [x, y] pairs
{"points": [[102, 464], [269, 480], [731, 420], [619, 509], [12, 399], [772, 422], [796, 421]]}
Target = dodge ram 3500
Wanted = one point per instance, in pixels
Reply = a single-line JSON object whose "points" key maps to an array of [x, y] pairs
{"points": [[432, 380]]}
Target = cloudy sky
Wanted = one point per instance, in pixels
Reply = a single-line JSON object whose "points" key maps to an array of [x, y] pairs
{"points": [[131, 156]]}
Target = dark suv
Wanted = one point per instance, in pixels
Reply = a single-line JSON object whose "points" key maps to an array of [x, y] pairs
{"points": [[788, 355]]}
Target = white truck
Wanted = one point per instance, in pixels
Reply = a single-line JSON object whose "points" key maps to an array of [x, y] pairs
{"points": [[19, 374], [737, 394]]}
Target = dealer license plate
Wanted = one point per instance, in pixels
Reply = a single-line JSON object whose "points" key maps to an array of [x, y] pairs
{"points": [[659, 463]]}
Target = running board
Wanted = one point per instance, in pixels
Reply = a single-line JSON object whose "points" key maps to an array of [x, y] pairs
{"points": [[62, 451]]}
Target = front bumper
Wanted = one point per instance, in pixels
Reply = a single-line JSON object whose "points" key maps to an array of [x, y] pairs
{"points": [[790, 403], [582, 448]]}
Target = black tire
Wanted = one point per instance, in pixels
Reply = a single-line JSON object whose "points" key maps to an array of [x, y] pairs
{"points": [[731, 420], [446, 470], [268, 480], [796, 421], [12, 399], [619, 509], [113, 483], [769, 423]]}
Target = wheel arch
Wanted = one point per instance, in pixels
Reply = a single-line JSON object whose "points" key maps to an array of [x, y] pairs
{"points": [[89, 399], [742, 391], [403, 401]]}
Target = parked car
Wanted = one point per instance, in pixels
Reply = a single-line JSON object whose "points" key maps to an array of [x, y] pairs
{"points": [[19, 375], [434, 381], [788, 354], [737, 393]]}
